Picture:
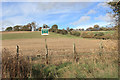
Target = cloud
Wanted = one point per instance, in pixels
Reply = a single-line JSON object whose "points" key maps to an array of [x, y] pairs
{"points": [[91, 12], [108, 17], [22, 13], [54, 0], [101, 24], [103, 5], [83, 19]]}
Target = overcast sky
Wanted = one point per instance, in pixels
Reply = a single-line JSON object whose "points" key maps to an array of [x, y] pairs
{"points": [[64, 14]]}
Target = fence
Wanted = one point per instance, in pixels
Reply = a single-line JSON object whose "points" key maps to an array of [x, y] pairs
{"points": [[74, 56], [48, 58]]}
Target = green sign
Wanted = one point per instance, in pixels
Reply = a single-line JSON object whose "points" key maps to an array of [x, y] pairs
{"points": [[44, 31]]}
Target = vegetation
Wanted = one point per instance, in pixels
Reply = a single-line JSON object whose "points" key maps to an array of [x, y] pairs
{"points": [[9, 29], [13, 67], [83, 34], [90, 66], [75, 33]]}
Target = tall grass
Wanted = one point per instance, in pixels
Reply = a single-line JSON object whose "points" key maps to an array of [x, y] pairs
{"points": [[92, 65], [13, 66]]}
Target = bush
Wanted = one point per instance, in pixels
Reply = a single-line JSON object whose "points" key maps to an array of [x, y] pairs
{"points": [[52, 30], [10, 68], [87, 35], [59, 31], [99, 34], [64, 32], [75, 33]]}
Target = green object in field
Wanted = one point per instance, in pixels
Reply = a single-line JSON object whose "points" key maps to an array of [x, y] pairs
{"points": [[44, 31]]}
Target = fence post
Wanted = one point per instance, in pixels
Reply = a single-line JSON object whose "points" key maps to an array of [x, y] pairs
{"points": [[101, 49], [30, 66], [46, 48], [17, 47], [18, 70], [74, 52]]}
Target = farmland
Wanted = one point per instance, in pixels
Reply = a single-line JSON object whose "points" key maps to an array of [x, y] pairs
{"points": [[60, 50], [29, 35]]}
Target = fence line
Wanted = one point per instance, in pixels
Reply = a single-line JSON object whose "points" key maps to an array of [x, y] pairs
{"points": [[75, 53]]}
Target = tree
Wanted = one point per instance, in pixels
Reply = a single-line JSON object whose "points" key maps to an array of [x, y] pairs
{"points": [[29, 26], [115, 6], [25, 28], [17, 28], [82, 29], [68, 29], [96, 27], [45, 26], [103, 29], [33, 24], [39, 28], [8, 29], [71, 29], [55, 26], [89, 29]]}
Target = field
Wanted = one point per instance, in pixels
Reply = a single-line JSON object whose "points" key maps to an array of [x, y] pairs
{"points": [[60, 50]]}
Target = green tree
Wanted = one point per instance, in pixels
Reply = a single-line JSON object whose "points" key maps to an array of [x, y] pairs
{"points": [[71, 29], [45, 26], [17, 28], [89, 29], [8, 29], [29, 26], [96, 26], [25, 28], [115, 6], [39, 28], [55, 26]]}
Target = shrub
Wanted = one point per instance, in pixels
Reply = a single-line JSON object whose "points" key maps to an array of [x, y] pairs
{"points": [[13, 67], [59, 31], [75, 33], [87, 35], [108, 36], [64, 32], [52, 30], [99, 34]]}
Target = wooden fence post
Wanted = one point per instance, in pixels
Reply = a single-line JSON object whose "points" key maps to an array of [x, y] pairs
{"points": [[17, 47], [30, 66], [46, 48], [18, 70], [74, 53]]}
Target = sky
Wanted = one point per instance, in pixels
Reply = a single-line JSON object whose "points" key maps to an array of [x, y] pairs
{"points": [[65, 14]]}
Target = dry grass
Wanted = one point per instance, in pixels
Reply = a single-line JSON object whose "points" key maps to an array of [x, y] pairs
{"points": [[90, 64], [13, 66]]}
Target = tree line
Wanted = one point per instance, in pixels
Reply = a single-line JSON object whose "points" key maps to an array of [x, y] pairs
{"points": [[33, 27]]}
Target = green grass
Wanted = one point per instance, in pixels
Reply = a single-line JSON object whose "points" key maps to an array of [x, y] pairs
{"points": [[105, 32], [30, 35]]}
